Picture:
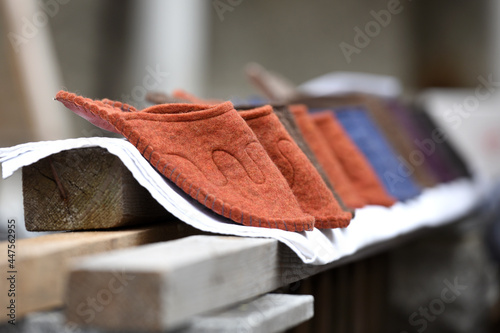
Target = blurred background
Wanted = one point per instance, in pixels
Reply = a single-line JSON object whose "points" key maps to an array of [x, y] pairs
{"points": [[109, 48], [119, 49]]}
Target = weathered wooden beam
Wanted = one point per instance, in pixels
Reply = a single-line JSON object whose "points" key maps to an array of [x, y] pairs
{"points": [[268, 313], [84, 189], [169, 283], [163, 285], [41, 263]]}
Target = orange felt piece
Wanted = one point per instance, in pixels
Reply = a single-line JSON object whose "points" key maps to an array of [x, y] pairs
{"points": [[190, 98], [210, 153], [354, 163], [326, 158], [311, 192]]}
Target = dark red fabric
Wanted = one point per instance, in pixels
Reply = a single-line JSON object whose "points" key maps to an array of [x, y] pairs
{"points": [[210, 153]]}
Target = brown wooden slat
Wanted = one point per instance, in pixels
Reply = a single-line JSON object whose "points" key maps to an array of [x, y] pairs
{"points": [[84, 189]]}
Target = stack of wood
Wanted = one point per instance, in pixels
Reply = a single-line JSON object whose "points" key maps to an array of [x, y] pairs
{"points": [[124, 262]]}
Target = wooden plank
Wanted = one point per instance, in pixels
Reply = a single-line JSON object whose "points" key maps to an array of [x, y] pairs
{"points": [[174, 281], [268, 313], [42, 262], [168, 283], [343, 299], [83, 189], [306, 288], [324, 302]]}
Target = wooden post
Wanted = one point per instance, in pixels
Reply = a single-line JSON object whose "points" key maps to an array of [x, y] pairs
{"points": [[83, 189]]}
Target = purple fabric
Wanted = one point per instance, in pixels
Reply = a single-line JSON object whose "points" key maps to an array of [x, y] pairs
{"points": [[443, 162]]}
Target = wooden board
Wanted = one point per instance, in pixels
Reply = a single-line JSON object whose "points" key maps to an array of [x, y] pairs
{"points": [[84, 189], [163, 285], [268, 313], [42, 262], [169, 283]]}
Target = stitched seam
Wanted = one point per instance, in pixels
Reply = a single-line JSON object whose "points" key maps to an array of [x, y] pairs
{"points": [[163, 171], [172, 173], [144, 151]]}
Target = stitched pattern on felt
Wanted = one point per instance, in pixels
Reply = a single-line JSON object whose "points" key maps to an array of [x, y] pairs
{"points": [[236, 136], [285, 147], [255, 152], [232, 167], [215, 175], [313, 195]]}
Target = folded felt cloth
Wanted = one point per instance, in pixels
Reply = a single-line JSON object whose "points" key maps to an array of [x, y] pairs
{"points": [[209, 152], [288, 120], [314, 196], [327, 159], [307, 186], [355, 164], [379, 111], [361, 129]]}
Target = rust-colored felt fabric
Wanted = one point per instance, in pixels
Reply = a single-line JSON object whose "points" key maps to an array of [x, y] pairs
{"points": [[326, 158], [190, 98], [210, 153], [356, 166], [393, 131], [305, 182], [288, 121]]}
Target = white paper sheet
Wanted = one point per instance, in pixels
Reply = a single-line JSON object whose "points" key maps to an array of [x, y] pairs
{"points": [[372, 224]]}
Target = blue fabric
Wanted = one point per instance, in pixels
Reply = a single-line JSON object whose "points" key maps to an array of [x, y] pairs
{"points": [[372, 143]]}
